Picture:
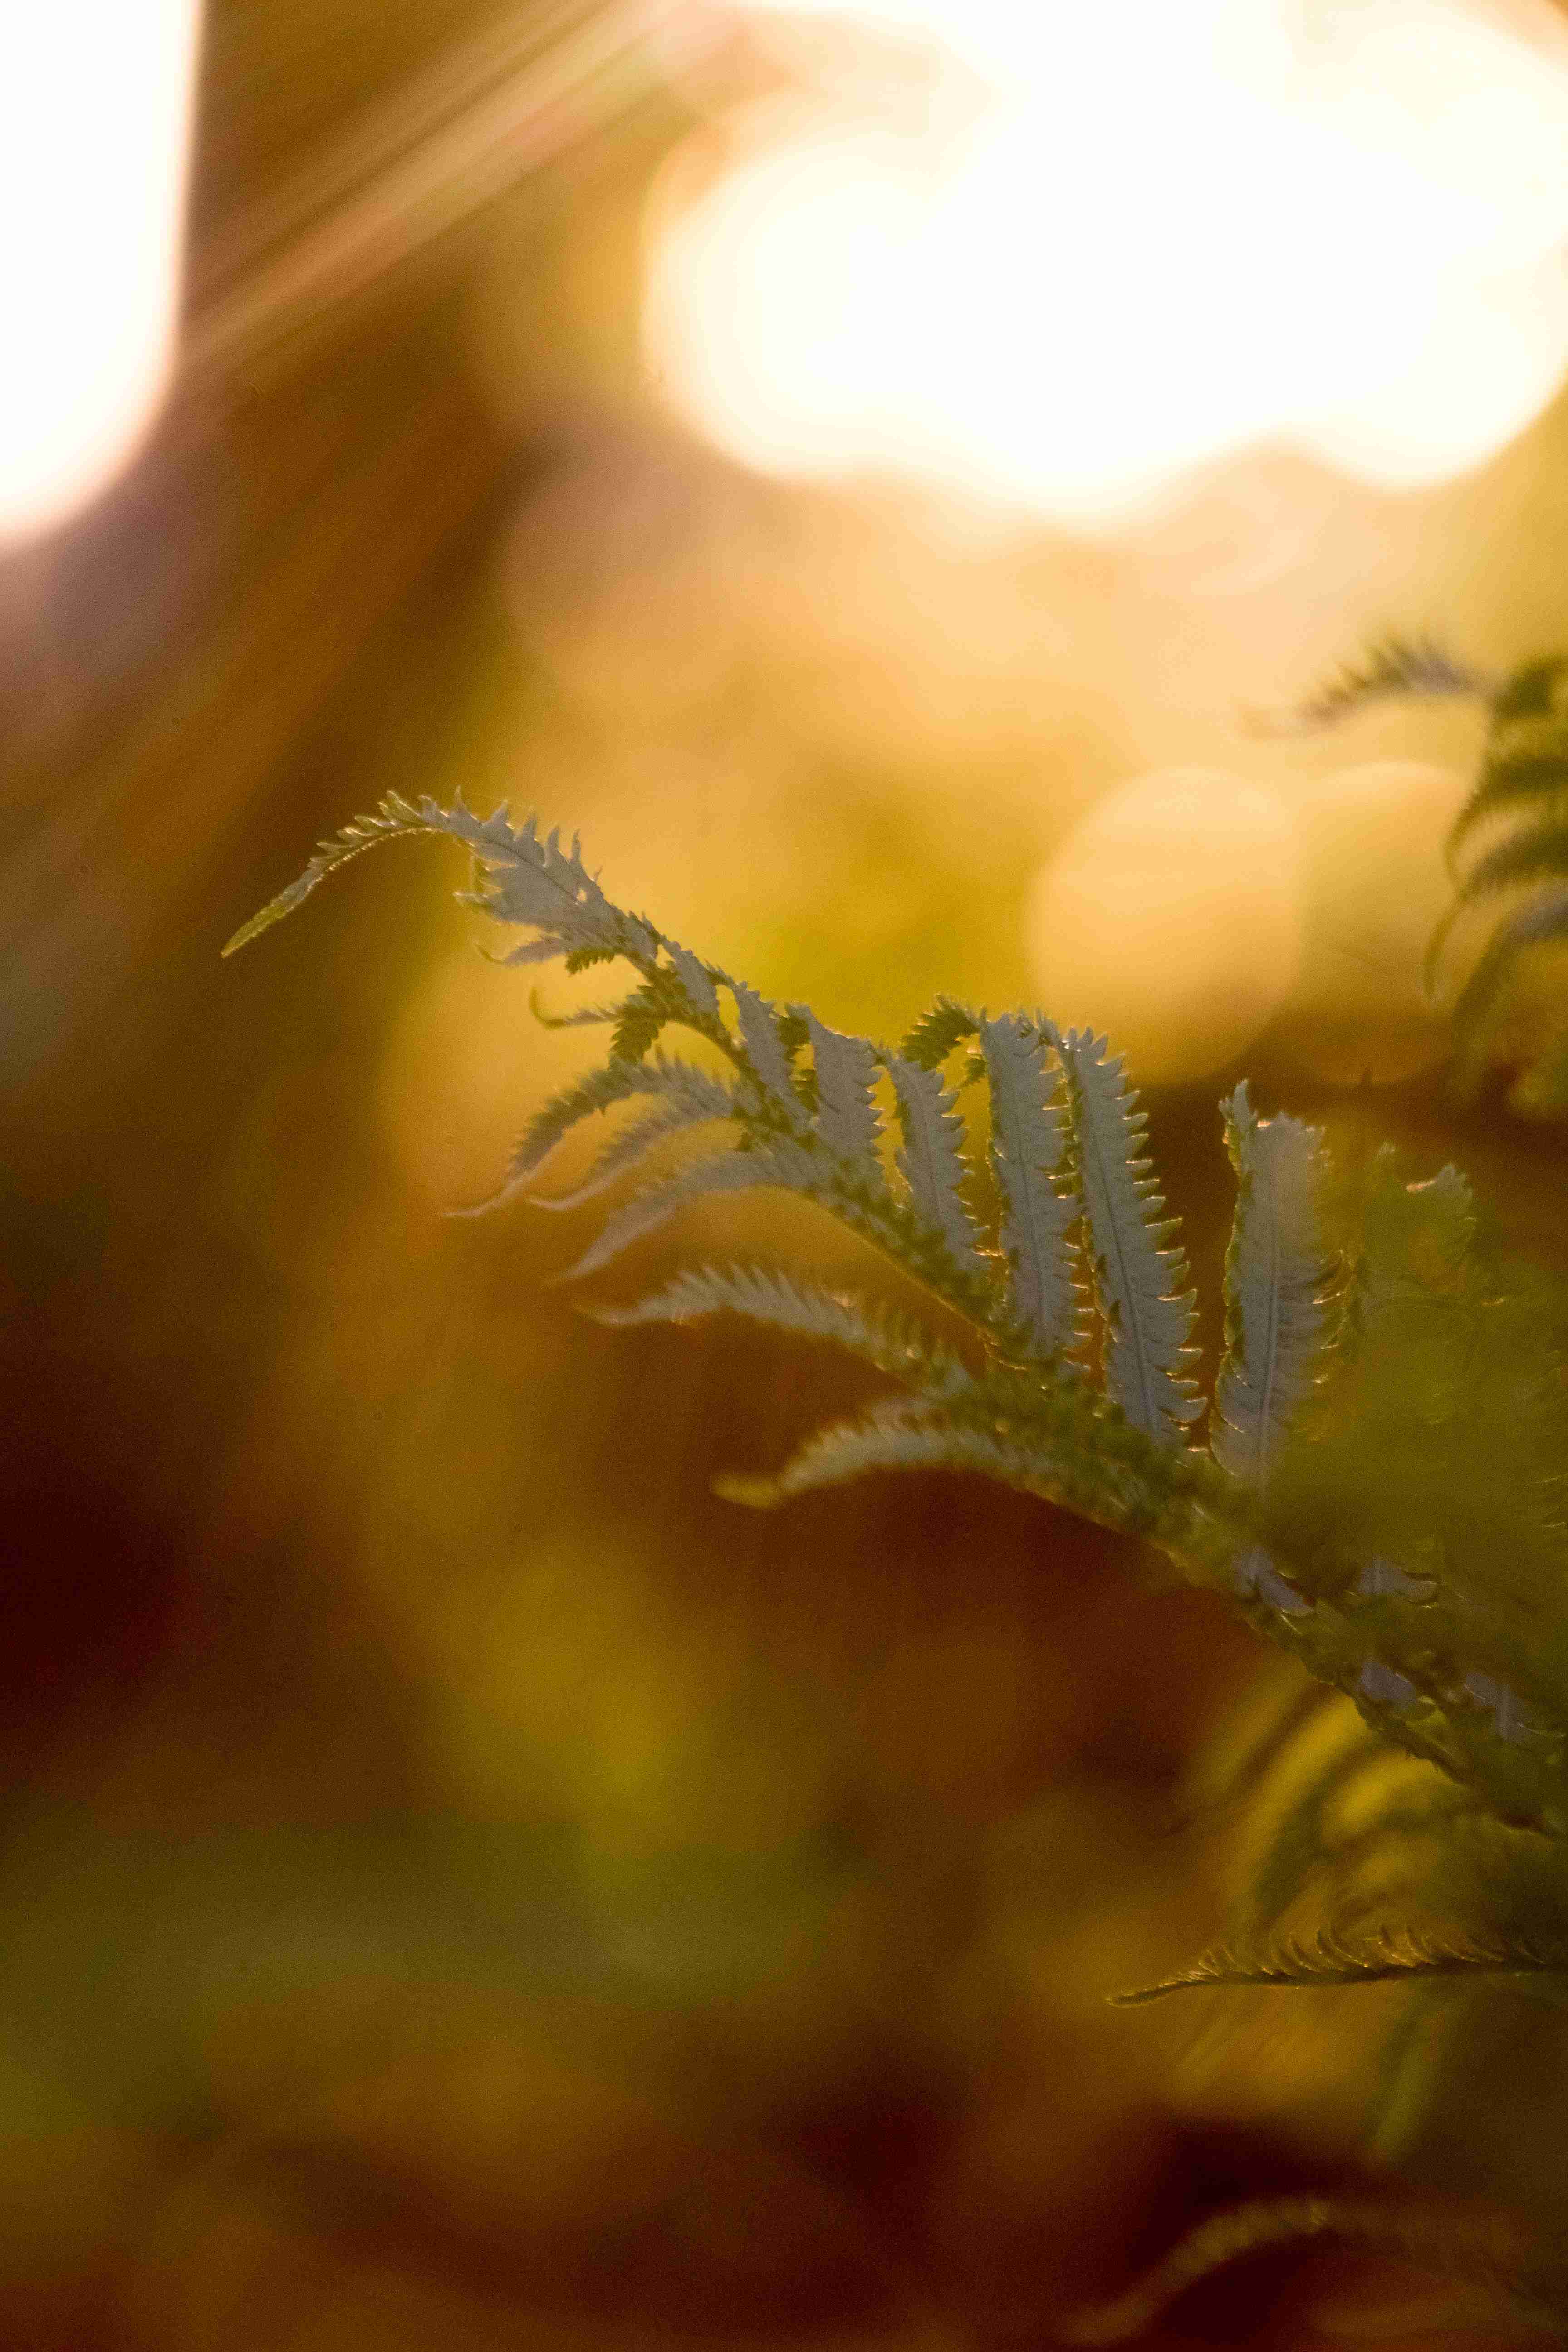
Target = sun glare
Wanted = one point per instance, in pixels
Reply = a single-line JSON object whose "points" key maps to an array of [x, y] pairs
{"points": [[1157, 237], [95, 103]]}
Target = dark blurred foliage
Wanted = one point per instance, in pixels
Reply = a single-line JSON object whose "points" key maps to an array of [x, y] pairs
{"points": [[465, 1884]]}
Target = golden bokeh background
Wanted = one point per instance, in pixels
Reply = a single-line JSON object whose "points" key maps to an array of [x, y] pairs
{"points": [[466, 1883]]}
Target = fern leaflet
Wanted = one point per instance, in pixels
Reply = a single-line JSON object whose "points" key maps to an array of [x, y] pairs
{"points": [[761, 1296], [1029, 1137], [1139, 1279], [931, 1159]]}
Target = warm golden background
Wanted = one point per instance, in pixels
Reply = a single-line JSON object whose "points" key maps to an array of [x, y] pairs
{"points": [[465, 1885]]}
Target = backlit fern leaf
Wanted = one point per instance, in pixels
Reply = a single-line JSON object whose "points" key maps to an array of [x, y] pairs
{"points": [[1140, 1280], [931, 1159], [671, 1115], [727, 1171], [765, 1048], [845, 1069], [688, 1097], [760, 1295], [1276, 1280], [897, 1435], [1276, 1303], [799, 1101], [1029, 1152]]}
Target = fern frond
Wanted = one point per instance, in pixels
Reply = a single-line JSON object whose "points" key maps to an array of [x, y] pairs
{"points": [[1394, 665], [1277, 1287], [586, 1016], [897, 1435], [1030, 1135], [1139, 1279], [642, 1017], [696, 978], [1040, 1423], [1283, 1706], [1480, 2251], [1532, 773], [1523, 778], [931, 1160], [1539, 855], [689, 1095], [893, 1345], [845, 1069], [676, 1115], [1328, 1960], [937, 1032], [1409, 2072], [1410, 1242], [726, 1171], [1300, 1842], [763, 1038], [524, 877]]}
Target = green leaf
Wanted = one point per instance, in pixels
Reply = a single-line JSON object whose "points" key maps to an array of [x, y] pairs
{"points": [[1277, 1287], [937, 1032], [1486, 2252]]}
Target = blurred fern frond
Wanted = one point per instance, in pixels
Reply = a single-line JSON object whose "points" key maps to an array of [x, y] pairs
{"points": [[1509, 846], [1392, 665], [1328, 1958], [1481, 2252], [1507, 851]]}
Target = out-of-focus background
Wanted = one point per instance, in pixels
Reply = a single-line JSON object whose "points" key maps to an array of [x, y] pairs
{"points": [[867, 467]]}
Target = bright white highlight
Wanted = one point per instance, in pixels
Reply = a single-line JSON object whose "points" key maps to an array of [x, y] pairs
{"points": [[1163, 235], [95, 101]]}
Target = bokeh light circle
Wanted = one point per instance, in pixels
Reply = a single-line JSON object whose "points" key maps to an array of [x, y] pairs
{"points": [[1171, 917]]}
